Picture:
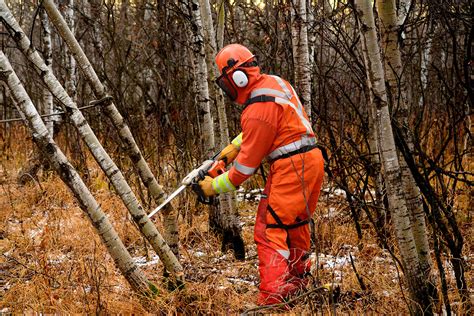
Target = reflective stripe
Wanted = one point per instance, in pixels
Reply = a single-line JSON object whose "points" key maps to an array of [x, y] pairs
{"points": [[222, 184], [244, 169], [284, 253], [299, 111], [304, 141], [283, 86], [237, 141], [267, 91]]}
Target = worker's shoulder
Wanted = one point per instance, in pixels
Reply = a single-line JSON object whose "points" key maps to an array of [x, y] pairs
{"points": [[263, 111]]}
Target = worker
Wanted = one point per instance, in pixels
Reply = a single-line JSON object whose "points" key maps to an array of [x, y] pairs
{"points": [[275, 127]]}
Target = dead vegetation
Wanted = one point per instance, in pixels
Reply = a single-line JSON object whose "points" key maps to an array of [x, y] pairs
{"points": [[52, 261]]}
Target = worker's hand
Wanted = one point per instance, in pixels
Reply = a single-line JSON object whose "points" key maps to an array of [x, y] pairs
{"points": [[206, 186], [228, 154]]}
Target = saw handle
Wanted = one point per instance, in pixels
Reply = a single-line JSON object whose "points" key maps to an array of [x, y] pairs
{"points": [[217, 168]]}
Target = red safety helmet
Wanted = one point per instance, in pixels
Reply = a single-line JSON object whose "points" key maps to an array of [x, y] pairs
{"points": [[231, 62]]}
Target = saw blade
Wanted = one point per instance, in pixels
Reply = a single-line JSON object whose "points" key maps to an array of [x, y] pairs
{"points": [[170, 197]]}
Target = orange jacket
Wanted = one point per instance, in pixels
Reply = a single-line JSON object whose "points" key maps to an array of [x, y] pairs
{"points": [[268, 126]]}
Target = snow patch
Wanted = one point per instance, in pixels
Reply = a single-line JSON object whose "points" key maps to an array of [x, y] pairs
{"points": [[241, 281], [142, 261], [199, 254], [331, 213], [252, 195], [334, 192], [58, 260]]}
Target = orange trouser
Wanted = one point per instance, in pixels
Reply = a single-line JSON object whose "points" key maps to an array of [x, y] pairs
{"points": [[283, 252]]}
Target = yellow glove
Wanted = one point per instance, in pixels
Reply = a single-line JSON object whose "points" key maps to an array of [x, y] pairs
{"points": [[229, 153], [206, 186]]}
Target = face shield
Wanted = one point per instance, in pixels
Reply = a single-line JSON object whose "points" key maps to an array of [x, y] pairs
{"points": [[226, 84]]}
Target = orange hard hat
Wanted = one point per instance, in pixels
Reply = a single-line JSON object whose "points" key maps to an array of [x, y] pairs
{"points": [[232, 56]]}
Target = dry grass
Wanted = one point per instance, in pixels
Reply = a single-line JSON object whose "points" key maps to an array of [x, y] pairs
{"points": [[53, 262]]}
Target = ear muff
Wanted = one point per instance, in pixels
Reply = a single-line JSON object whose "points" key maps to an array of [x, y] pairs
{"points": [[240, 78]]}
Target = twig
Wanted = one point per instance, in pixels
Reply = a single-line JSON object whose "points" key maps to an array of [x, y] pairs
{"points": [[92, 104], [359, 278]]}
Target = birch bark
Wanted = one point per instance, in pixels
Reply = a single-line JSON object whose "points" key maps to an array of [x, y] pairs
{"points": [[47, 99], [398, 98], [392, 173], [373, 144], [299, 38], [128, 142], [71, 77], [103, 159], [226, 218], [200, 73], [132, 273]]}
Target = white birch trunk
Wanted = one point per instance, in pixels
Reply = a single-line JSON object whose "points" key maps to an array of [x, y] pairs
{"points": [[227, 217], [299, 38], [425, 61], [132, 273], [201, 75], [145, 225], [373, 144], [392, 173], [396, 85], [128, 142], [47, 99], [71, 78], [402, 12]]}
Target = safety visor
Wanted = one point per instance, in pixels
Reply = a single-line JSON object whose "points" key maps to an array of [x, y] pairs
{"points": [[226, 83]]}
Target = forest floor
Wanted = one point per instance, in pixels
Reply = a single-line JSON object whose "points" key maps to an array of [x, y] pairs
{"points": [[53, 262]]}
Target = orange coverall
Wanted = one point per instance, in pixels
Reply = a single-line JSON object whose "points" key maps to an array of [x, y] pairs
{"points": [[275, 126]]}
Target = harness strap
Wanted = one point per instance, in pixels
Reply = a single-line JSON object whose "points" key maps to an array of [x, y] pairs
{"points": [[286, 227], [292, 226], [260, 98], [296, 152]]}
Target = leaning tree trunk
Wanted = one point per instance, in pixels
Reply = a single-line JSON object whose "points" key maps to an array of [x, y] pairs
{"points": [[398, 99], [417, 284], [128, 142], [299, 38], [145, 225], [225, 219], [132, 273]]}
